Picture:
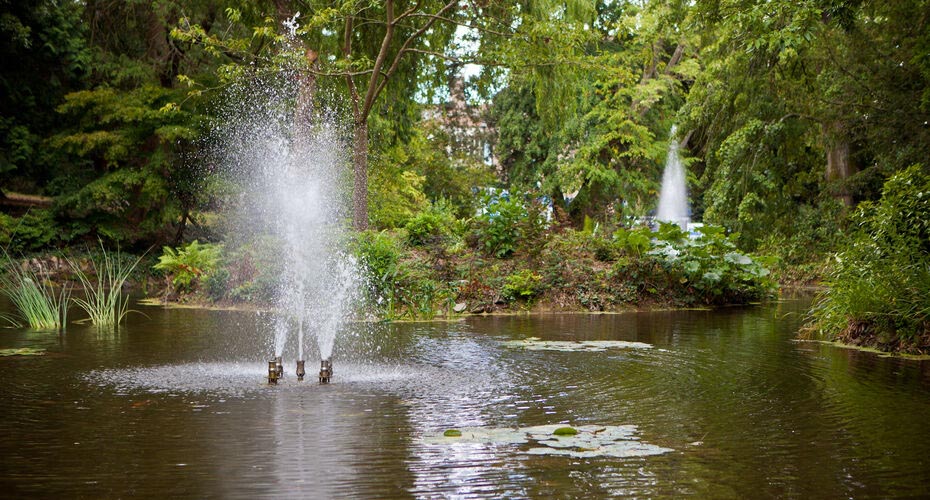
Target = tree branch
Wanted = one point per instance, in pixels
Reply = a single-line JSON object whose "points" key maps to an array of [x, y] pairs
{"points": [[403, 49], [374, 87]]}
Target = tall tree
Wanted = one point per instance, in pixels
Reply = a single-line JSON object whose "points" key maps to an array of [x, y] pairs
{"points": [[389, 53]]}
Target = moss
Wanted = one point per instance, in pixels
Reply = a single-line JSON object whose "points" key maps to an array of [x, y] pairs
{"points": [[452, 433], [565, 431]]}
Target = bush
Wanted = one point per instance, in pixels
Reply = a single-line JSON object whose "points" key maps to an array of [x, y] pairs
{"points": [[879, 290], [33, 231], [430, 225], [522, 285], [187, 264], [508, 224], [217, 283], [711, 266]]}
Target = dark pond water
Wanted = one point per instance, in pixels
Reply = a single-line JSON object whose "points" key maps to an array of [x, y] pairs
{"points": [[175, 405]]}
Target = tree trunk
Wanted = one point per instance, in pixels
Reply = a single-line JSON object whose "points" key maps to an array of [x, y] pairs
{"points": [[839, 167], [304, 114], [360, 167]]}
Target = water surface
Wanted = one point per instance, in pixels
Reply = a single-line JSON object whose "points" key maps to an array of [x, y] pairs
{"points": [[174, 404]]}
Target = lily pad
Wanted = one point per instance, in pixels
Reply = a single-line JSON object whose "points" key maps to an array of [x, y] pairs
{"points": [[565, 431], [452, 433], [589, 441], [535, 344], [22, 351]]}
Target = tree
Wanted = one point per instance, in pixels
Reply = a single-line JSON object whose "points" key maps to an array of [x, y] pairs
{"points": [[367, 45], [45, 55], [800, 102]]}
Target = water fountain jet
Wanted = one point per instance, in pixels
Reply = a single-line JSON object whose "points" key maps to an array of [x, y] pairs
{"points": [[300, 370], [279, 367], [673, 197]]}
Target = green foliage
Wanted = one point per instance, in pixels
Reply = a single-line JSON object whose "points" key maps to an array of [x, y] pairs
{"points": [[879, 289], [711, 267], [187, 264], [35, 230], [430, 225], [396, 196], [217, 283], [379, 252], [45, 55], [35, 299], [633, 242], [104, 301], [507, 223], [522, 285]]}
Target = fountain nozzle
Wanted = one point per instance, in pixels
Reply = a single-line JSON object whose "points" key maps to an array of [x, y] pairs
{"points": [[300, 370], [273, 372], [326, 370], [279, 366]]}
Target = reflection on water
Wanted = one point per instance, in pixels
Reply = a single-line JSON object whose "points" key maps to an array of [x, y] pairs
{"points": [[175, 404]]}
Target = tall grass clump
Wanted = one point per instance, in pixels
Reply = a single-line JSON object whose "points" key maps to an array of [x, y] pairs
{"points": [[104, 301], [36, 301], [878, 293]]}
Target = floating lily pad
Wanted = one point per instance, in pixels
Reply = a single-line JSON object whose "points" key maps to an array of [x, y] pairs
{"points": [[452, 433], [589, 441], [479, 435], [565, 431], [535, 344], [22, 351]]}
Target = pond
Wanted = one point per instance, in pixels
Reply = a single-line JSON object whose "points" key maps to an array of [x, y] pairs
{"points": [[707, 403]]}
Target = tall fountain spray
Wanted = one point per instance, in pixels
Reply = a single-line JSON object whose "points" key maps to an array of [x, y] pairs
{"points": [[673, 197], [292, 165]]}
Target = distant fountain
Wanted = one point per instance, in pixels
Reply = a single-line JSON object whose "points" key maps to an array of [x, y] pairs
{"points": [[673, 197], [292, 167]]}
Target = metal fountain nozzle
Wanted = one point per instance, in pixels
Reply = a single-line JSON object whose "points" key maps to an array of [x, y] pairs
{"points": [[273, 375], [300, 369], [326, 370], [279, 366]]}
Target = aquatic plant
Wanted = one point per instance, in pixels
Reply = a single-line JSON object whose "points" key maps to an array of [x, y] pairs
{"points": [[36, 301], [587, 441], [104, 301]]}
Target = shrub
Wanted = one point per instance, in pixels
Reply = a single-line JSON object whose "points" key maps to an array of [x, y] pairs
{"points": [[711, 266], [522, 285], [430, 225], [508, 224], [33, 231], [879, 289], [187, 264], [217, 283]]}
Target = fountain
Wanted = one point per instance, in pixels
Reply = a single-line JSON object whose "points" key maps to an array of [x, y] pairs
{"points": [[290, 158], [673, 197], [326, 370]]}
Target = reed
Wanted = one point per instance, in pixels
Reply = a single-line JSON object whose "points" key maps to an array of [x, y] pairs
{"points": [[104, 301], [35, 299]]}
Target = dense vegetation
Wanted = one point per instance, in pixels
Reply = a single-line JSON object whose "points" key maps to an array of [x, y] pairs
{"points": [[791, 114]]}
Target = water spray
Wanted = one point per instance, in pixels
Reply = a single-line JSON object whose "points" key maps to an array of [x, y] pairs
{"points": [[326, 370]]}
